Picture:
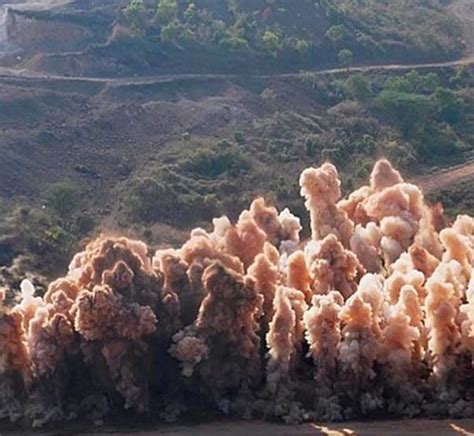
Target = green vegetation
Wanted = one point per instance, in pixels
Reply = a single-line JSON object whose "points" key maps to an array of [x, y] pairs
{"points": [[346, 57], [38, 240], [449, 106], [296, 33], [135, 14], [216, 160], [249, 138], [42, 238], [176, 152], [411, 118], [424, 111], [407, 110], [63, 198], [271, 42], [361, 117], [189, 188], [359, 88]]}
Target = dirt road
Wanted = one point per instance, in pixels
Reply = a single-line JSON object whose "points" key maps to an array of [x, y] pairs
{"points": [[22, 74]]}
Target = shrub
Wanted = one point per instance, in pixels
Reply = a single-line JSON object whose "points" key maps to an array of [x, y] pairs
{"points": [[171, 32], [431, 81], [313, 145], [335, 33], [409, 83], [302, 46], [212, 161], [409, 110], [359, 88], [346, 57], [234, 42], [334, 155], [450, 107], [438, 142], [268, 94], [166, 10], [150, 199], [271, 42], [166, 200], [239, 137], [63, 198], [135, 14]]}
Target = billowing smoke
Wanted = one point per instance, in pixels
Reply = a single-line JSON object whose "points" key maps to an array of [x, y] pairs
{"points": [[372, 316]]}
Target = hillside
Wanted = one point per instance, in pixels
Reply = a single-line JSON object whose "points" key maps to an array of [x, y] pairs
{"points": [[157, 155], [125, 37], [158, 158], [127, 126]]}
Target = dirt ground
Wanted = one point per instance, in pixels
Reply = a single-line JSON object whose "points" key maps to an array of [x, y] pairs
{"points": [[396, 428], [258, 428]]}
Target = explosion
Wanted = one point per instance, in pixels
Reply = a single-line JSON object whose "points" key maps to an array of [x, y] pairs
{"points": [[372, 315]]}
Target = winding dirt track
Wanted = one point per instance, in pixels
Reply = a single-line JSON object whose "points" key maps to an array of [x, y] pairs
{"points": [[10, 73]]}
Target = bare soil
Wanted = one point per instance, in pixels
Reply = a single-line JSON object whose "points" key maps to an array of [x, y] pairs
{"points": [[418, 427], [446, 178]]}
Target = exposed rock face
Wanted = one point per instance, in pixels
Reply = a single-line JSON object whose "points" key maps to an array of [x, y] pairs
{"points": [[33, 33]]}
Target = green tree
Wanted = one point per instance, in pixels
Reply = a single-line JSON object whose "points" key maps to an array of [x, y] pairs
{"points": [[359, 88], [410, 82], [408, 110], [191, 14], [450, 107], [431, 81], [302, 46], [414, 80], [63, 198], [232, 7], [217, 30], [345, 57], [166, 10], [335, 34], [234, 42], [171, 32], [271, 42], [461, 75], [135, 14]]}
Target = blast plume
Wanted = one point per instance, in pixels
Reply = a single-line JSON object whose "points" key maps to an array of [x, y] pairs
{"points": [[373, 315]]}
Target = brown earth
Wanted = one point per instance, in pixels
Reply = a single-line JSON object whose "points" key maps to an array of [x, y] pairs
{"points": [[446, 178], [395, 428], [418, 427]]}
